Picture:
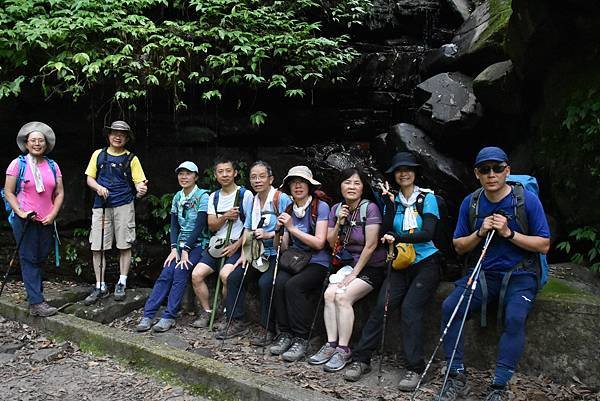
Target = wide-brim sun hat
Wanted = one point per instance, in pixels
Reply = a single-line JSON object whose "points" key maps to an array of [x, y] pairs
{"points": [[121, 126], [187, 165], [36, 126], [255, 248], [300, 172], [490, 154], [402, 159]]}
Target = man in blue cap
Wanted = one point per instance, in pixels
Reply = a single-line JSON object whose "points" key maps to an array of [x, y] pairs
{"points": [[507, 276]]}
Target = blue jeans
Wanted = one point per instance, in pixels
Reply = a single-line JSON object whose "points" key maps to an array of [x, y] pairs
{"points": [[171, 285], [265, 282], [518, 301], [34, 250]]}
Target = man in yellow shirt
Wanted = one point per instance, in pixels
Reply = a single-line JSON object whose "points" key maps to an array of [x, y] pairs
{"points": [[116, 177]]}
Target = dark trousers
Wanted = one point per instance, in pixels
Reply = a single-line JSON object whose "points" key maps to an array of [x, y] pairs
{"points": [[171, 285], [518, 301], [412, 288], [296, 297], [265, 283], [33, 252]]}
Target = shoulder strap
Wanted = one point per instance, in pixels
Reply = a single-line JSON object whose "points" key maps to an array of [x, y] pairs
{"points": [[362, 211], [241, 195], [314, 211], [520, 212], [420, 203], [474, 207], [52, 165], [22, 165], [102, 159], [216, 201], [276, 202]]}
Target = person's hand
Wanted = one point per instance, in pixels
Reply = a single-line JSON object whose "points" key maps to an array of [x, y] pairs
{"points": [[172, 256], [141, 188], [48, 220], [486, 226], [25, 214], [231, 249], [389, 238], [285, 220], [184, 262], [347, 280], [261, 234], [500, 224], [385, 190], [240, 262], [344, 213], [102, 192], [232, 214]]}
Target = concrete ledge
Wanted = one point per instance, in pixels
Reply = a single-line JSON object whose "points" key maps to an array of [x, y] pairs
{"points": [[212, 378]]}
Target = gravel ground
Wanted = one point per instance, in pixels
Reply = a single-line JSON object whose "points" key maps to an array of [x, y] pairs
{"points": [[35, 367]]}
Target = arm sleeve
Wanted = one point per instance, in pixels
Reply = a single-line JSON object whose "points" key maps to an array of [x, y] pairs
{"points": [[389, 212], [425, 234], [92, 169], [137, 173], [201, 224], [174, 230]]}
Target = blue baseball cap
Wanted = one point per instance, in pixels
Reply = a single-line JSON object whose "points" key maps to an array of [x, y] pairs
{"points": [[490, 153], [190, 166]]}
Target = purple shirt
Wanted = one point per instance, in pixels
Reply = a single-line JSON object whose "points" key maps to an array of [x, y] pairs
{"points": [[356, 241], [321, 257]]}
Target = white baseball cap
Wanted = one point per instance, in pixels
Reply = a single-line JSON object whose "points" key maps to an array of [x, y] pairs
{"points": [[188, 165]]}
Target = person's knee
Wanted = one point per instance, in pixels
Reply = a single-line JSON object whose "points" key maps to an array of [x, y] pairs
{"points": [[342, 299], [329, 296], [515, 322]]}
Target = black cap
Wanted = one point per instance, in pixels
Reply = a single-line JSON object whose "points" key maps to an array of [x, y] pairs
{"points": [[403, 159]]}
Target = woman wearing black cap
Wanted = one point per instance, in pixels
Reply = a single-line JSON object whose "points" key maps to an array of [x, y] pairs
{"points": [[411, 217]]}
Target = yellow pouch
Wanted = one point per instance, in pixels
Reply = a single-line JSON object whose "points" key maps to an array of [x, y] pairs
{"points": [[405, 256]]}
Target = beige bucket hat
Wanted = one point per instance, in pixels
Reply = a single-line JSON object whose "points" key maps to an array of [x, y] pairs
{"points": [[36, 126]]}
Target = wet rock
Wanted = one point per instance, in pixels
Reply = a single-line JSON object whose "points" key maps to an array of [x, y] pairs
{"points": [[461, 7], [108, 309], [450, 103], [439, 60], [46, 355], [499, 89]]}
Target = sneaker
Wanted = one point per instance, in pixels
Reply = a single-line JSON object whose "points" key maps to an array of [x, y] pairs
{"points": [[456, 386], [322, 356], [236, 328], [144, 325], [296, 351], [497, 393], [163, 325], [202, 321], [262, 340], [119, 292], [95, 295], [409, 381], [356, 370], [338, 361], [42, 310], [282, 344]]}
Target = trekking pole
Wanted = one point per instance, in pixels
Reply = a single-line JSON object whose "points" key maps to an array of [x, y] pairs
{"points": [[11, 263], [246, 267], [273, 288], [218, 286], [472, 279], [389, 259]]}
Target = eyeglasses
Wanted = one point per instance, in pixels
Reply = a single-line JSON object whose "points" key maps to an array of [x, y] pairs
{"points": [[498, 168], [36, 141], [118, 134], [258, 177]]}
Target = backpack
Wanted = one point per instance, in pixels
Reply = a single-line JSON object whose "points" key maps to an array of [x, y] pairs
{"points": [[22, 166], [442, 237], [125, 167], [519, 184], [318, 195], [239, 201]]}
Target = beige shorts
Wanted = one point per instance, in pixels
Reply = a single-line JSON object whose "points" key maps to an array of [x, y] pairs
{"points": [[119, 222]]}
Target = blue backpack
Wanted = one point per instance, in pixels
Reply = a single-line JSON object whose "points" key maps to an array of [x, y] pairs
{"points": [[519, 184], [20, 177]]}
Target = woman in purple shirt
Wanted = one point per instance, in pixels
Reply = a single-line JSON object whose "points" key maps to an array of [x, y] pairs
{"points": [[365, 258]]}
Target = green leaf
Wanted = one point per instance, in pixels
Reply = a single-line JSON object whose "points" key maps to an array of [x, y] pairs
{"points": [[258, 118]]}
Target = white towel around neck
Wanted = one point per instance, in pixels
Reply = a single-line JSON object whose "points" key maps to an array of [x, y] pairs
{"points": [[257, 210], [35, 172], [300, 211], [410, 212]]}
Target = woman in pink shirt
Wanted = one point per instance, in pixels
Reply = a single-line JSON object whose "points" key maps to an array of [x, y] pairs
{"points": [[34, 190]]}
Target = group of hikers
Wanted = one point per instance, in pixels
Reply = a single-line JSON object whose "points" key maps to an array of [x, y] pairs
{"points": [[302, 251]]}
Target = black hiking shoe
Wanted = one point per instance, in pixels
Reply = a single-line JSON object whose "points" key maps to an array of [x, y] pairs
{"points": [[456, 387]]}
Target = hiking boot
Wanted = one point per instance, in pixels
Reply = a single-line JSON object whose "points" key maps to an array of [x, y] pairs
{"points": [[262, 340], [338, 361], [95, 295], [455, 387], [497, 393], [296, 351], [236, 328], [42, 310], [163, 325], [144, 325], [409, 381], [282, 344], [119, 292], [202, 321], [356, 370], [323, 355]]}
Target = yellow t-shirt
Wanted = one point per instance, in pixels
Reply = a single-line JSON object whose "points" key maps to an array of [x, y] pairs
{"points": [[137, 174]]}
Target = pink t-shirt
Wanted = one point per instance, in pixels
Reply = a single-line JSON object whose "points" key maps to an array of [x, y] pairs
{"points": [[28, 197]]}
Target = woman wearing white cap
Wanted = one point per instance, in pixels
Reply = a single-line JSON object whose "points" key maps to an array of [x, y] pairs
{"points": [[189, 236], [297, 288], [34, 191]]}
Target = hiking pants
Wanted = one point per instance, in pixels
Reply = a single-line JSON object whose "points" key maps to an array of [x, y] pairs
{"points": [[518, 301], [171, 285], [33, 252], [296, 297], [265, 282], [413, 289]]}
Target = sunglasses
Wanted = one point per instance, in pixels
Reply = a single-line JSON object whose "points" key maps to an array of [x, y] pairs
{"points": [[498, 168]]}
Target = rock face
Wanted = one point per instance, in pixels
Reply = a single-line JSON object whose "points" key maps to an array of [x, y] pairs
{"points": [[499, 89]]}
